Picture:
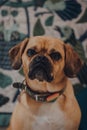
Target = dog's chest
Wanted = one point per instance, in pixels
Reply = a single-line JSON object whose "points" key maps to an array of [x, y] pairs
{"points": [[49, 118]]}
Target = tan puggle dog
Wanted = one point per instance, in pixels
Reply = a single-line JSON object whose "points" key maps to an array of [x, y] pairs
{"points": [[47, 101]]}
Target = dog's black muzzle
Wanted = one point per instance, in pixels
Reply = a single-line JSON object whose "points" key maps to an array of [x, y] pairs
{"points": [[40, 68]]}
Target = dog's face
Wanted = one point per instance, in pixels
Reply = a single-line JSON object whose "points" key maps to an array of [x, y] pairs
{"points": [[45, 60]]}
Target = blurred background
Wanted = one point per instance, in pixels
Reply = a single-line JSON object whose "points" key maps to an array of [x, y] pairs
{"points": [[64, 19]]}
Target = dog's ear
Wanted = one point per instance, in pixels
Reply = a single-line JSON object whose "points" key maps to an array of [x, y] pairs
{"points": [[73, 63], [16, 52]]}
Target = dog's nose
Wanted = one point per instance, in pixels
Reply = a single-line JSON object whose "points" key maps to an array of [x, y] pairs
{"points": [[39, 58]]}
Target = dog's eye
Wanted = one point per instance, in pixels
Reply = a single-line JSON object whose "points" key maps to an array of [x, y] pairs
{"points": [[55, 55], [31, 52]]}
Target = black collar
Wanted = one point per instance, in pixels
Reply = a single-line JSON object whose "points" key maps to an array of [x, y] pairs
{"points": [[37, 96]]}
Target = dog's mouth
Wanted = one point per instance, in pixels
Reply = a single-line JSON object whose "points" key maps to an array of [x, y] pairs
{"points": [[40, 73], [40, 70]]}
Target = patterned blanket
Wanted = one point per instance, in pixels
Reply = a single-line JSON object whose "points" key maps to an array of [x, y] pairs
{"points": [[65, 19]]}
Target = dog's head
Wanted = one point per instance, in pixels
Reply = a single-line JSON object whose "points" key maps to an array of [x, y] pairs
{"points": [[45, 59]]}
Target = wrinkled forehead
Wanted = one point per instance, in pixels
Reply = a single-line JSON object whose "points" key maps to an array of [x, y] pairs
{"points": [[47, 43]]}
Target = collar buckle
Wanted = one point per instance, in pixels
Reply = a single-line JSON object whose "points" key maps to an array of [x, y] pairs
{"points": [[39, 98]]}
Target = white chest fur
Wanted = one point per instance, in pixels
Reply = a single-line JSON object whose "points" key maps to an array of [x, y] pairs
{"points": [[49, 117]]}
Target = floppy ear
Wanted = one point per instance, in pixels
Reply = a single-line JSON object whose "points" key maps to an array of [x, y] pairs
{"points": [[73, 62], [16, 52]]}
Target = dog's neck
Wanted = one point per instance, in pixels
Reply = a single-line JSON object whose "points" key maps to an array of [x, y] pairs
{"points": [[44, 91], [44, 96], [40, 96]]}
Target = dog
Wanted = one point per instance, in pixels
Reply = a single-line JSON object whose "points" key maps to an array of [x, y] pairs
{"points": [[47, 100]]}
